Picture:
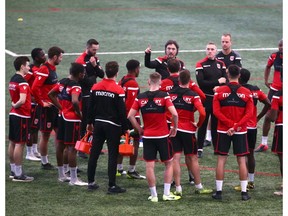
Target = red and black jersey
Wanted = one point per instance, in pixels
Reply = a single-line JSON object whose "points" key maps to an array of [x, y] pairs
{"points": [[153, 105], [276, 60], [30, 77], [45, 79], [232, 58], [277, 104], [131, 89], [233, 107], [91, 72], [185, 102], [257, 95], [18, 85], [208, 72], [107, 104], [160, 64], [65, 89]]}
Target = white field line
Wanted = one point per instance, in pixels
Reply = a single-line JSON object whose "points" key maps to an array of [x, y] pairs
{"points": [[142, 52]]}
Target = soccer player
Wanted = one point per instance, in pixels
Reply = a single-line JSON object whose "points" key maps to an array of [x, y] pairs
{"points": [[66, 97], [38, 56], [93, 69], [186, 102], [131, 88], [276, 60], [232, 106], [46, 78], [155, 133], [257, 95], [210, 73], [19, 118], [160, 63], [107, 119]]}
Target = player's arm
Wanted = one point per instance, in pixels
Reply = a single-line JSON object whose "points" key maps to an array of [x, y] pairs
{"points": [[131, 117], [20, 102], [174, 120], [266, 75], [53, 93], [265, 109], [75, 101], [202, 114]]}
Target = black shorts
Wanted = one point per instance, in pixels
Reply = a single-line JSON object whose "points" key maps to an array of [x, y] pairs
{"points": [[277, 144], [184, 141], [68, 132], [19, 129], [49, 118], [35, 117], [252, 137], [271, 93], [152, 146], [240, 144]]}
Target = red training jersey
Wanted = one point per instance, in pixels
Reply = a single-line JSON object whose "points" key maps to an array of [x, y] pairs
{"points": [[276, 59], [277, 104]]}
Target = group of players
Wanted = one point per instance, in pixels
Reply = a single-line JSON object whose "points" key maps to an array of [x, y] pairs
{"points": [[78, 104]]}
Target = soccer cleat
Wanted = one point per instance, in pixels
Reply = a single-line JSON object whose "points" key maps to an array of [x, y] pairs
{"points": [[47, 166], [78, 171], [178, 193], [173, 184], [22, 178], [171, 197], [217, 195], [206, 143], [191, 179], [261, 148], [200, 153], [250, 185], [32, 157], [278, 193], [135, 175], [121, 172], [37, 154], [78, 182], [64, 179], [245, 196], [92, 186], [203, 191], [153, 199], [116, 189], [12, 174]]}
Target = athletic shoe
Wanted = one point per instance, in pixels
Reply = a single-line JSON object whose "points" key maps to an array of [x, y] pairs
{"points": [[191, 179], [78, 171], [200, 154], [47, 166], [245, 196], [37, 154], [171, 197], [250, 185], [32, 157], [173, 184], [278, 193], [178, 193], [64, 179], [116, 189], [22, 178], [121, 172], [217, 195], [135, 175], [203, 191], [238, 187], [78, 182], [12, 174], [206, 143], [153, 199], [261, 148], [92, 186]]}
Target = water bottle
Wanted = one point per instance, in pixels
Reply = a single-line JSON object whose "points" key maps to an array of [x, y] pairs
{"points": [[122, 139]]}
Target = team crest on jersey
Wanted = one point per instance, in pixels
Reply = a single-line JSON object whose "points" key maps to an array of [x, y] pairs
{"points": [[173, 97], [143, 102], [158, 102], [218, 66], [49, 125], [36, 121], [231, 58]]}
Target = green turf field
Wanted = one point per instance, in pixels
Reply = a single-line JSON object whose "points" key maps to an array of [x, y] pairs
{"points": [[129, 26]]}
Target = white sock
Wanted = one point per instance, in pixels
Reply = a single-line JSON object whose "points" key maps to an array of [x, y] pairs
{"points": [[66, 168], [29, 150], [199, 186], [34, 147], [179, 188], [167, 187], [12, 167], [264, 140], [61, 173], [251, 177], [208, 135], [132, 168], [153, 191], [243, 185], [120, 166], [219, 185], [18, 170], [73, 174], [44, 159]]}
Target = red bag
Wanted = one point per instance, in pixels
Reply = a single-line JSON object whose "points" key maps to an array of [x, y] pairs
{"points": [[126, 149], [84, 145]]}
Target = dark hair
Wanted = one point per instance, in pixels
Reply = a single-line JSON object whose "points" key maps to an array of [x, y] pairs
{"points": [[111, 69], [132, 64], [173, 65], [76, 69], [54, 51], [172, 42], [233, 70], [90, 42], [155, 77], [184, 77], [36, 52], [244, 76], [21, 60]]}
